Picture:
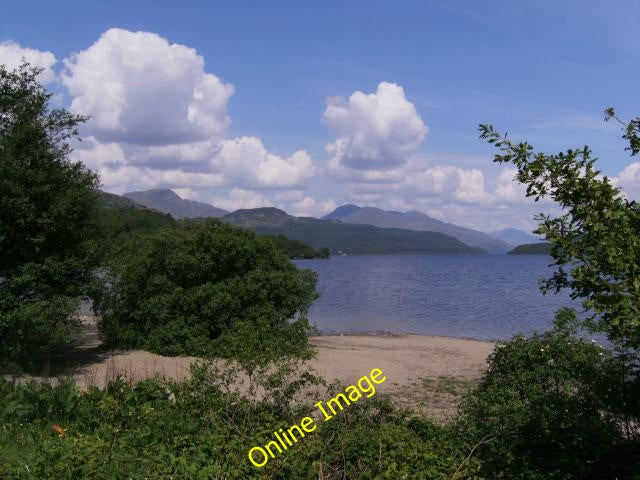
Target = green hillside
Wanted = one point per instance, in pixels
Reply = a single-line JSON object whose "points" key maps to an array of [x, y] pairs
{"points": [[346, 238], [541, 248]]}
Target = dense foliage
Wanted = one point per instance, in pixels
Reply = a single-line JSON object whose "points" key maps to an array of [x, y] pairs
{"points": [[201, 429], [115, 225], [202, 288], [552, 407], [46, 204], [297, 249]]}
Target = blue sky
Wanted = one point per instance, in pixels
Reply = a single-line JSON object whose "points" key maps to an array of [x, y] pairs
{"points": [[544, 71]]}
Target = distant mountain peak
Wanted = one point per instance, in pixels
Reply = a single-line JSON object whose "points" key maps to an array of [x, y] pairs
{"points": [[166, 192], [263, 211], [342, 211], [168, 201]]}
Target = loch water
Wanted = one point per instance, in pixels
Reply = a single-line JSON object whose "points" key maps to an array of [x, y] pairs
{"points": [[484, 297]]}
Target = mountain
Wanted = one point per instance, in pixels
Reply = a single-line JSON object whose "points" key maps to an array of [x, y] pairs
{"points": [[111, 200], [416, 221], [346, 238], [540, 248], [341, 212], [514, 237], [167, 201], [258, 217]]}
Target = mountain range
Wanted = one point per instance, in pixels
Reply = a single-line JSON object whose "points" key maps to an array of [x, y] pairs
{"points": [[345, 238], [348, 229], [416, 221]]}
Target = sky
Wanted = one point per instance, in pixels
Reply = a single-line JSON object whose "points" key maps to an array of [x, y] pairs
{"points": [[309, 105]]}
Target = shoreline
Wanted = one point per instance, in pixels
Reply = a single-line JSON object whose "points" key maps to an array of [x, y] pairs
{"points": [[387, 334], [428, 374]]}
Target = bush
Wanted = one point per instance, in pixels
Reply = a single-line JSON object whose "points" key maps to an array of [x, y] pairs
{"points": [[374, 440], [594, 243], [205, 288], [546, 410]]}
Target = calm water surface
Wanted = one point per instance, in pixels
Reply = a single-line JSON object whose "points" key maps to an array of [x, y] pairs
{"points": [[484, 297]]}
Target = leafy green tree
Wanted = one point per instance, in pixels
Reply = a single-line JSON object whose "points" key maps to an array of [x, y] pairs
{"points": [[554, 406], [113, 225], [596, 240], [46, 206], [293, 248], [203, 288]]}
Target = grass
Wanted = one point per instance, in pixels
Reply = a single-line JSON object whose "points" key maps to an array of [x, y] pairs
{"points": [[435, 397]]}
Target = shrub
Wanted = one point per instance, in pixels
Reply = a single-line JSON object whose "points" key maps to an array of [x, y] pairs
{"points": [[545, 409], [204, 288]]}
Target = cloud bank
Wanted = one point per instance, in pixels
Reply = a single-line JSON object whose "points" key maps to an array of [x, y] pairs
{"points": [[160, 117], [159, 120]]}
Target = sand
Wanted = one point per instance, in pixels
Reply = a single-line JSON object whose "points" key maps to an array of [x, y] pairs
{"points": [[423, 372], [426, 374], [403, 358]]}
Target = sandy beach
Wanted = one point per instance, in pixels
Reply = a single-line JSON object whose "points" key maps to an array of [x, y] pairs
{"points": [[423, 373], [404, 358]]}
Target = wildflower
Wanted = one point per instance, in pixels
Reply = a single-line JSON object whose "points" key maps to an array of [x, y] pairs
{"points": [[59, 430]]}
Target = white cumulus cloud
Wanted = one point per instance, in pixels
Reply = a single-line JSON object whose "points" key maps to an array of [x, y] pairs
{"points": [[139, 88], [628, 180], [245, 161], [374, 131], [239, 198], [158, 119], [12, 55]]}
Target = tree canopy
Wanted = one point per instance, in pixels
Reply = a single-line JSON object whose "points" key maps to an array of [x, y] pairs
{"points": [[47, 202]]}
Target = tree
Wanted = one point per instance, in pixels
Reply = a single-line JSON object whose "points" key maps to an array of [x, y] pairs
{"points": [[596, 240], [46, 206], [552, 390], [204, 288]]}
